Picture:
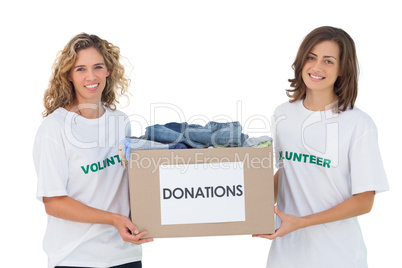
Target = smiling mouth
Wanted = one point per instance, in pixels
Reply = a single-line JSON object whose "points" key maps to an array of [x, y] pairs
{"points": [[91, 86], [316, 77]]}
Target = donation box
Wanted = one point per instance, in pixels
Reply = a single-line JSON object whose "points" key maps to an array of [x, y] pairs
{"points": [[202, 192]]}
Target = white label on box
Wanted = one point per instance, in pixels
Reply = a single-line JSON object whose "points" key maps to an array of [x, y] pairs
{"points": [[202, 193]]}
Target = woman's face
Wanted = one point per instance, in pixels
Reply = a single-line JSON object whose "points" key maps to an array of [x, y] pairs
{"points": [[88, 76], [322, 67]]}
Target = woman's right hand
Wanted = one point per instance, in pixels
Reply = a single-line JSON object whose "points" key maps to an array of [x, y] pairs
{"points": [[67, 208], [128, 231]]}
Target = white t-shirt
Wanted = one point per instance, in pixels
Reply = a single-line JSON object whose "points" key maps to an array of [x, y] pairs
{"points": [[323, 159], [78, 157]]}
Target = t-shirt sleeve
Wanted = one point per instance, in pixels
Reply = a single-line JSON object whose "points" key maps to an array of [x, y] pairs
{"points": [[367, 170], [51, 166]]}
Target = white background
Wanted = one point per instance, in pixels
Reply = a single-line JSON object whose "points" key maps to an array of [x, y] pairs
{"points": [[201, 57]]}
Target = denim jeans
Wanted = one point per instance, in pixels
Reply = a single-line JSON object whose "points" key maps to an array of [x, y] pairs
{"points": [[161, 133], [196, 136]]}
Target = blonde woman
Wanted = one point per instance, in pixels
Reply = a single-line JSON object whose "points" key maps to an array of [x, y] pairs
{"points": [[80, 179]]}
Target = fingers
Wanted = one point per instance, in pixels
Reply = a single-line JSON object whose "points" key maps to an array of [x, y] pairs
{"points": [[266, 236], [276, 234], [278, 212], [133, 230], [136, 237], [130, 233]]}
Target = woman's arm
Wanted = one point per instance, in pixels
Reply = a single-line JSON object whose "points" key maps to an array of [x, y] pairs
{"points": [[67, 208], [357, 205]]}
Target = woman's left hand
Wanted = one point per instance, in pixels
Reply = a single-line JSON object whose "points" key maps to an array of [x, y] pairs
{"points": [[289, 223]]}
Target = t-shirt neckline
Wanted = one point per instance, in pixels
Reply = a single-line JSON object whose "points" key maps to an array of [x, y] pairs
{"points": [[78, 118]]}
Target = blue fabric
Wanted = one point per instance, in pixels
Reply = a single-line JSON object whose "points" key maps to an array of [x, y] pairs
{"points": [[161, 133], [226, 134], [141, 144], [177, 146], [180, 127], [196, 136]]}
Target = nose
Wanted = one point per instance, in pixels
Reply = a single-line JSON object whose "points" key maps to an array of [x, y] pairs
{"points": [[317, 65], [90, 75]]}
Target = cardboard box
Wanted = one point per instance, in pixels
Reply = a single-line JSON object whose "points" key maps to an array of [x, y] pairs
{"points": [[202, 192]]}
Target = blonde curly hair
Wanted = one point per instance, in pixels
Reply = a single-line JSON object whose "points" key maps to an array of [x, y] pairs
{"points": [[60, 92]]}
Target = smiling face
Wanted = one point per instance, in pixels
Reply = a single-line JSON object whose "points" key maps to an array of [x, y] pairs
{"points": [[322, 68], [88, 76]]}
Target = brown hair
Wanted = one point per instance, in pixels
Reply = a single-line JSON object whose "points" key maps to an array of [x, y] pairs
{"points": [[60, 92], [345, 86]]}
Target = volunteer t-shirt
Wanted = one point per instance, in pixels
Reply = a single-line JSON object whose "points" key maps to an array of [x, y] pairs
{"points": [[78, 157], [323, 158]]}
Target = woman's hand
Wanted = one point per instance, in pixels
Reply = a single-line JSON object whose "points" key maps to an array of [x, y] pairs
{"points": [[289, 223], [357, 205], [128, 231], [67, 208]]}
